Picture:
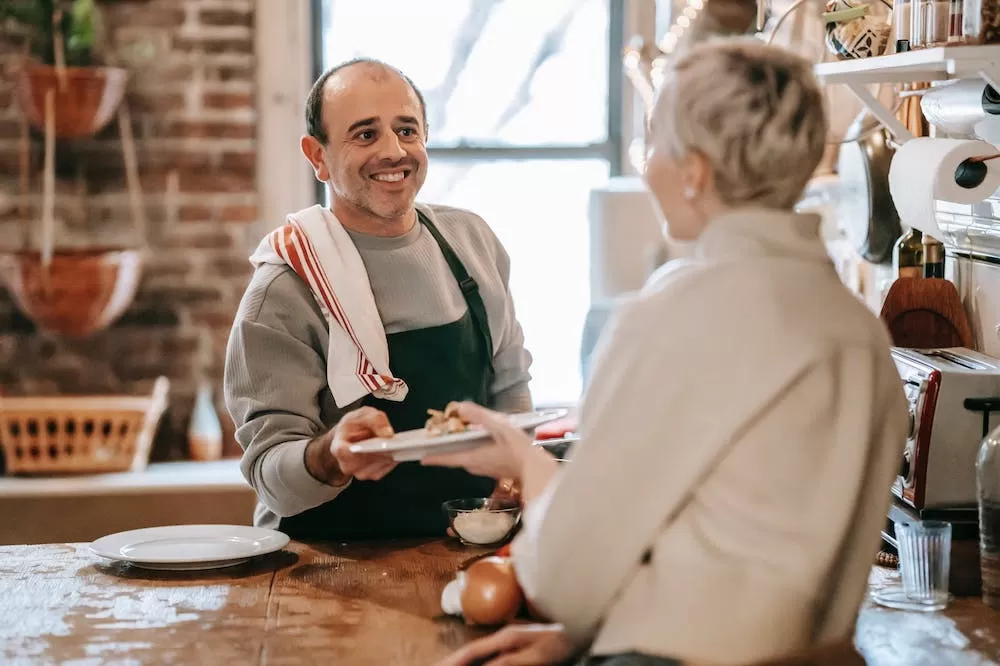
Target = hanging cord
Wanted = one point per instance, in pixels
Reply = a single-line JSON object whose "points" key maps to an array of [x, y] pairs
{"points": [[24, 163], [133, 183], [135, 196]]}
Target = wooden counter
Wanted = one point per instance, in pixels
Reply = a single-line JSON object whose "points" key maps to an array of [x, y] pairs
{"points": [[329, 604], [39, 510]]}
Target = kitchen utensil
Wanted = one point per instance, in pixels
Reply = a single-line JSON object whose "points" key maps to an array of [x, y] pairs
{"points": [[924, 313], [559, 448], [865, 206]]}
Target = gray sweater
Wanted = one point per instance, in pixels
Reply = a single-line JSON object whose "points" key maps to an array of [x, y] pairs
{"points": [[275, 375]]}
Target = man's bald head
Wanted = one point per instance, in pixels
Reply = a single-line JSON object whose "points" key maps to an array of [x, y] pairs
{"points": [[376, 68]]}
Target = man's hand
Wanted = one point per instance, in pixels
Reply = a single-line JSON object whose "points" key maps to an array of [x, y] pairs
{"points": [[507, 490], [329, 460]]}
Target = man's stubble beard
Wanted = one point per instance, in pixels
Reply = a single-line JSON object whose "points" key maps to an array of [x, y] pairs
{"points": [[367, 204]]}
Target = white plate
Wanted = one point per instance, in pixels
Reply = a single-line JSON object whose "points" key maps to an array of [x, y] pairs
{"points": [[187, 547], [415, 444]]}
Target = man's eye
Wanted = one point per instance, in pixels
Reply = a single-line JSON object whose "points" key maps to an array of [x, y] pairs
{"points": [[367, 135], [408, 131]]}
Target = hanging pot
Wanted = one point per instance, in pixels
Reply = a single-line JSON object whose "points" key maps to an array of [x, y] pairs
{"points": [[79, 293], [86, 98], [865, 206]]}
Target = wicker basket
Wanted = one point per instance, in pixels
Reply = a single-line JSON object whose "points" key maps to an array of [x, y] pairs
{"points": [[68, 434]]}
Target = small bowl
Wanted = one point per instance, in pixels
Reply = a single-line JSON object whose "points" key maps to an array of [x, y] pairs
{"points": [[476, 525]]}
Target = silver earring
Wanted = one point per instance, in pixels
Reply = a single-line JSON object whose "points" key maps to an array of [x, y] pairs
{"points": [[689, 193]]}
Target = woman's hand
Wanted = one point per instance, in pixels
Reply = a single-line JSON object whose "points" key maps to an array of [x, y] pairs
{"points": [[516, 645], [502, 460]]}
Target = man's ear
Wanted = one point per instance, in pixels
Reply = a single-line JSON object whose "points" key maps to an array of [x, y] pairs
{"points": [[313, 150]]}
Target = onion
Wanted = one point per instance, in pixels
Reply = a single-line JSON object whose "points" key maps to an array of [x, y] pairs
{"points": [[491, 595]]}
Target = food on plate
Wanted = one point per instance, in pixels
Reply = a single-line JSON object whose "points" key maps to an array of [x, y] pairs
{"points": [[482, 526], [445, 423], [487, 593]]}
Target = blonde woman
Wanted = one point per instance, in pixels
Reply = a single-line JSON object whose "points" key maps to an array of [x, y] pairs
{"points": [[743, 422]]}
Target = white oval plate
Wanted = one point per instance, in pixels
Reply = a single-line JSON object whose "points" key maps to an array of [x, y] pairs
{"points": [[415, 444], [187, 547]]}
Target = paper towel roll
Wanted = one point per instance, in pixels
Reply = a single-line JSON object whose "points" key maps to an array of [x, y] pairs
{"points": [[923, 170]]}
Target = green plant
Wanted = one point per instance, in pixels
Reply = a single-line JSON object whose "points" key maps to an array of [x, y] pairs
{"points": [[75, 26]]}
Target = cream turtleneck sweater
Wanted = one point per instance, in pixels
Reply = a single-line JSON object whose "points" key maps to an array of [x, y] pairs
{"points": [[739, 436]]}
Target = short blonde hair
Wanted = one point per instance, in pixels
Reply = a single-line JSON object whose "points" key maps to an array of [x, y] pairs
{"points": [[755, 112]]}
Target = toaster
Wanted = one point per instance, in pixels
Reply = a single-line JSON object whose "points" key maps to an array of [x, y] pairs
{"points": [[952, 395]]}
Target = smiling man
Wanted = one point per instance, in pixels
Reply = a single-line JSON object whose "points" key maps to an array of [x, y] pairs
{"points": [[438, 277]]}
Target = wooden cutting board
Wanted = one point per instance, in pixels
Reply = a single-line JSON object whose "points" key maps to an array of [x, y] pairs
{"points": [[926, 313]]}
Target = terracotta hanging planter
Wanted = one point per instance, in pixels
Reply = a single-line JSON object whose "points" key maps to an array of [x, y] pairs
{"points": [[86, 98], [79, 293]]}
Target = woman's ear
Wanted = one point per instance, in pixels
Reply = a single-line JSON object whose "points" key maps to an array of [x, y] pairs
{"points": [[696, 174]]}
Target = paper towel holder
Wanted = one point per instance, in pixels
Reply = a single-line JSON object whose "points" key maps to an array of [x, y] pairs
{"points": [[971, 172]]}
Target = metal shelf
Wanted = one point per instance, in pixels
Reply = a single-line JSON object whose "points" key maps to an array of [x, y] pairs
{"points": [[934, 64]]}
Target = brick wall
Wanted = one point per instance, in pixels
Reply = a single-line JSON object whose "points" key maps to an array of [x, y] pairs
{"points": [[193, 113]]}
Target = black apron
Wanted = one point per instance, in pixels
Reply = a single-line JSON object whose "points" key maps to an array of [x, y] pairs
{"points": [[439, 364]]}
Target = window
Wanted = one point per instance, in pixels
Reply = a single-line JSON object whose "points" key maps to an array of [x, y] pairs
{"points": [[524, 110]]}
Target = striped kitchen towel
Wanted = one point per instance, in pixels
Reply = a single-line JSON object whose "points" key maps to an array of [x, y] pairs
{"points": [[315, 245]]}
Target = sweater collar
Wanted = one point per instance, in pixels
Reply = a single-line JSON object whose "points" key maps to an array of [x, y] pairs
{"points": [[757, 232]]}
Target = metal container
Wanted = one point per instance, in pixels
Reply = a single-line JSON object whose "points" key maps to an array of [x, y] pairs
{"points": [[560, 448]]}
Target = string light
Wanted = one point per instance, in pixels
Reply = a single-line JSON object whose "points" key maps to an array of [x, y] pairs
{"points": [[685, 19], [667, 45]]}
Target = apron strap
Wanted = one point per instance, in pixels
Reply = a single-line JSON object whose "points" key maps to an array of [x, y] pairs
{"points": [[468, 285]]}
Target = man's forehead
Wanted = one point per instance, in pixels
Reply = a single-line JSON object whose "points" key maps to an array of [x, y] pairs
{"points": [[367, 90]]}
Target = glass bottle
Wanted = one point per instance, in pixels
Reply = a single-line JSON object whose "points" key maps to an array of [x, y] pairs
{"points": [[901, 24], [955, 22], [988, 496], [205, 430], [933, 257], [908, 255]]}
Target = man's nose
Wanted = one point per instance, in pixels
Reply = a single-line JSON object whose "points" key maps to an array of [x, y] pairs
{"points": [[390, 147]]}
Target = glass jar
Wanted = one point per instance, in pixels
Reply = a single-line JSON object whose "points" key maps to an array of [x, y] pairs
{"points": [[901, 24], [981, 21], [955, 22], [937, 22], [917, 14]]}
